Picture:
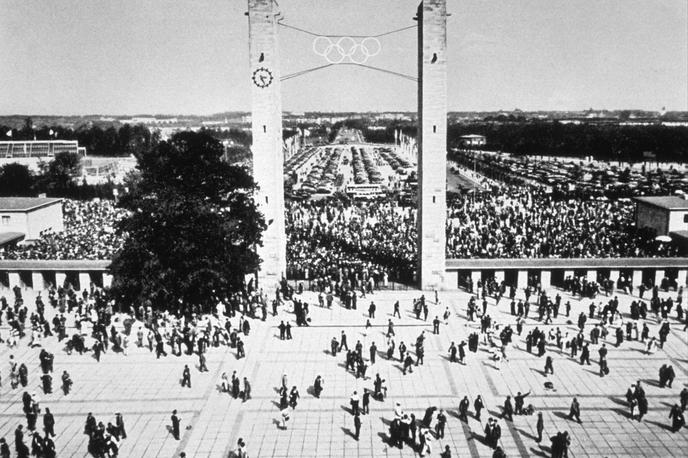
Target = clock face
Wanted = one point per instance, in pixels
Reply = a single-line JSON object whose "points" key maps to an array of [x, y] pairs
{"points": [[262, 77]]}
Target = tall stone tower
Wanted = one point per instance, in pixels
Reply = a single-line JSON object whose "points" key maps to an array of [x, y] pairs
{"points": [[432, 142], [266, 118]]}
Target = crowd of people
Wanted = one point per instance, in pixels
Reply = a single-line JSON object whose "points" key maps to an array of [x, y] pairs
{"points": [[526, 222], [86, 322], [329, 236], [89, 233], [338, 238]]}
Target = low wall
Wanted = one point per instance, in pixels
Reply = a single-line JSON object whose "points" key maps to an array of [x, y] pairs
{"points": [[38, 274]]}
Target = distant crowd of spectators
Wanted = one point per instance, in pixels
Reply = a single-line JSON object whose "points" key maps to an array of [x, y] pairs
{"points": [[525, 222], [88, 234], [334, 238]]}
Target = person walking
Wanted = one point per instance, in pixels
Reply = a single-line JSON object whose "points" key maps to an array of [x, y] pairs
{"points": [[318, 386], [246, 395], [478, 405], [549, 365], [119, 424], [574, 412], [396, 310], [49, 423], [373, 353], [508, 411], [540, 426], [186, 376], [441, 423], [354, 401], [175, 425]]}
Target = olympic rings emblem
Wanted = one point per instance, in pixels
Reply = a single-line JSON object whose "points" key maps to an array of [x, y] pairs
{"points": [[346, 49]]}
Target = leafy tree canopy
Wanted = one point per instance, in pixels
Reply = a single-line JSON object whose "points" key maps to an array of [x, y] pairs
{"points": [[59, 173], [16, 180], [192, 230]]}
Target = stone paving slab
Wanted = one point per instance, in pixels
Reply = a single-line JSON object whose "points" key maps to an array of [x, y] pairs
{"points": [[145, 390]]}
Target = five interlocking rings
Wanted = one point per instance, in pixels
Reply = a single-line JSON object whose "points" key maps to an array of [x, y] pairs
{"points": [[343, 48]]}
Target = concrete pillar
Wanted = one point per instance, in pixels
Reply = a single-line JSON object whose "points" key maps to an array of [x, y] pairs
{"points": [[476, 275], [268, 156], [614, 276], [451, 279], [681, 278], [591, 275], [60, 278], [432, 141], [107, 280], [522, 279], [499, 276], [38, 281], [637, 278], [659, 276], [15, 280], [546, 279], [84, 280]]}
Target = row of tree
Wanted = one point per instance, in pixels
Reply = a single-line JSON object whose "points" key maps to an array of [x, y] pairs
{"points": [[98, 141], [603, 141], [57, 178]]}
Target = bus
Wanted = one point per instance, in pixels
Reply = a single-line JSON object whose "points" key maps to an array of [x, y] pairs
{"points": [[364, 191]]}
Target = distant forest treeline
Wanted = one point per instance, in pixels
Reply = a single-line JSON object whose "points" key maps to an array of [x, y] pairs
{"points": [[110, 141], [603, 141]]}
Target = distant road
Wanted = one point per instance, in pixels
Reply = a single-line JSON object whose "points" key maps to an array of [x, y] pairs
{"points": [[457, 182]]}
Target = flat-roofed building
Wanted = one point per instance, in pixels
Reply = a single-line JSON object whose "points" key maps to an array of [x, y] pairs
{"points": [[38, 148], [473, 140], [24, 218], [663, 214]]}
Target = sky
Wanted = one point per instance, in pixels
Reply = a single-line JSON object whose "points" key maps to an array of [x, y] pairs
{"points": [[191, 56]]}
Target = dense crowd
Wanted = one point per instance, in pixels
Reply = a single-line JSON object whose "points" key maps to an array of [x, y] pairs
{"points": [[332, 238], [327, 236], [524, 222], [88, 234]]}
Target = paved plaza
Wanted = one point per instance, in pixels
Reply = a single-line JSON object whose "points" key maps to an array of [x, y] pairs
{"points": [[146, 390]]}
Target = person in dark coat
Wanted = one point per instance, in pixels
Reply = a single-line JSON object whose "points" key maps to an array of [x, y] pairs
{"points": [[478, 405], [19, 445], [247, 390], [317, 386], [119, 424], [90, 426], [47, 380], [574, 412], [23, 375], [4, 449], [49, 447], [49, 423], [540, 427], [508, 411], [642, 407], [66, 382], [186, 376], [678, 420], [175, 425]]}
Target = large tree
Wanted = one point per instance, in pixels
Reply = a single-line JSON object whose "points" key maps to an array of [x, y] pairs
{"points": [[58, 175], [16, 180], [193, 227]]}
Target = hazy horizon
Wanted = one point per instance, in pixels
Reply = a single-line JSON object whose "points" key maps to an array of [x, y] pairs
{"points": [[119, 58]]}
